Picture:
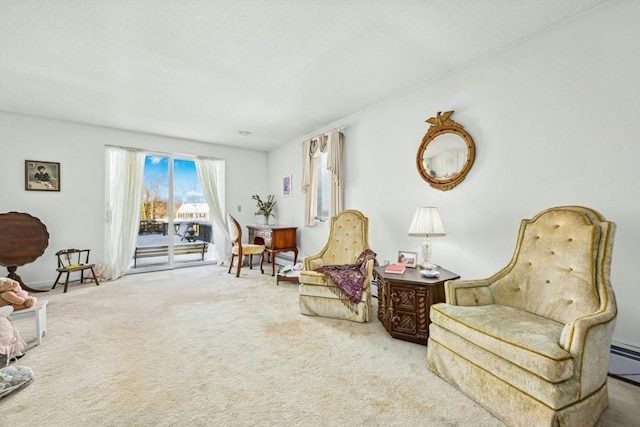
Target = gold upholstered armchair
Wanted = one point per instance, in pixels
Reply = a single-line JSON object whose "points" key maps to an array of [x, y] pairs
{"points": [[531, 343], [318, 295]]}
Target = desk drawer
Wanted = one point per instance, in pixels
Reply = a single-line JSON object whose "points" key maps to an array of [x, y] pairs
{"points": [[276, 238], [265, 234], [261, 237]]}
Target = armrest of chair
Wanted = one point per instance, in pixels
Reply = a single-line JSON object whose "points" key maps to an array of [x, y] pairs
{"points": [[312, 262], [588, 339], [576, 333], [367, 281], [468, 292], [310, 276]]}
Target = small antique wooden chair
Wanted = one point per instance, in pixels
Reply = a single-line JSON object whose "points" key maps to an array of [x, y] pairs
{"points": [[71, 261]]}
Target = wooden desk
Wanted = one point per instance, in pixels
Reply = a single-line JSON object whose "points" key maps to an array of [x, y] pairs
{"points": [[276, 239], [404, 301]]}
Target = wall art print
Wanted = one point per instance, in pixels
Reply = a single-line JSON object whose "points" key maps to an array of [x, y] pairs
{"points": [[41, 176]]}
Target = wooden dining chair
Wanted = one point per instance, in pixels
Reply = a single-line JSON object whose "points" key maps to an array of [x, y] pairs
{"points": [[239, 249]]}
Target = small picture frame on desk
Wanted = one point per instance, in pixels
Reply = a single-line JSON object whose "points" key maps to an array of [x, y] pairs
{"points": [[408, 259], [41, 176]]}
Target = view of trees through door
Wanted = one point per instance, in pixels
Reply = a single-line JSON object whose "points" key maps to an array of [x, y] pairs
{"points": [[175, 227]]}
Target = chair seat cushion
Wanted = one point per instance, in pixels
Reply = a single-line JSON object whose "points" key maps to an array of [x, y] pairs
{"points": [[526, 339], [554, 395], [330, 291], [248, 249], [74, 267]]}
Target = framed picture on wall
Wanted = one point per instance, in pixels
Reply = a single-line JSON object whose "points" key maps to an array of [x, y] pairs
{"points": [[286, 186], [41, 176], [408, 259]]}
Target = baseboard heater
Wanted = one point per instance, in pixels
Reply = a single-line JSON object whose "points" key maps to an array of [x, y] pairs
{"points": [[624, 364], [285, 258]]}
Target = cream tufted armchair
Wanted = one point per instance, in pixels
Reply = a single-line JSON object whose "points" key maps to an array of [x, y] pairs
{"points": [[348, 238], [531, 343]]}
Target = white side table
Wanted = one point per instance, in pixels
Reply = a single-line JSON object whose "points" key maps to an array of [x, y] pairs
{"points": [[39, 311]]}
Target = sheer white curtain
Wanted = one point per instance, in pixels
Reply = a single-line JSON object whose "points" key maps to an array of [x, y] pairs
{"points": [[211, 173], [124, 170], [330, 143]]}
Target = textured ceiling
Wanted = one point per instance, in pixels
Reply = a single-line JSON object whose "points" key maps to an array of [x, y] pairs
{"points": [[204, 70]]}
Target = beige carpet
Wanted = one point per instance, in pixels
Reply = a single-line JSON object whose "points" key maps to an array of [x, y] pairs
{"points": [[199, 347]]}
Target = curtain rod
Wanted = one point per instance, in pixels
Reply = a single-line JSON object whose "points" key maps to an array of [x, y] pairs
{"points": [[163, 153]]}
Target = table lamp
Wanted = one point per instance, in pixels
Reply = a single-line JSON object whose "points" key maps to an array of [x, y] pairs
{"points": [[426, 222]]}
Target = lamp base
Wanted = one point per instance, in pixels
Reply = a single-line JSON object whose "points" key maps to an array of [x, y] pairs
{"points": [[426, 254], [429, 266]]}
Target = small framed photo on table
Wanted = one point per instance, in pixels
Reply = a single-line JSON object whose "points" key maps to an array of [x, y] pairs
{"points": [[41, 176], [286, 186], [408, 259]]}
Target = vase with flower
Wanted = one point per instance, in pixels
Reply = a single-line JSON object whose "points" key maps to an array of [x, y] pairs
{"points": [[265, 207]]}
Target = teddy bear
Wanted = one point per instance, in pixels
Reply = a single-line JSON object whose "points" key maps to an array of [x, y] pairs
{"points": [[11, 293]]}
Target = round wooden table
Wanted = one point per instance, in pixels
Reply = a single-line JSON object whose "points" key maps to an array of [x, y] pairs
{"points": [[23, 239]]}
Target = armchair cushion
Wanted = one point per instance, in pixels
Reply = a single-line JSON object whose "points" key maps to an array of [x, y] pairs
{"points": [[248, 249], [313, 264], [554, 277], [526, 339]]}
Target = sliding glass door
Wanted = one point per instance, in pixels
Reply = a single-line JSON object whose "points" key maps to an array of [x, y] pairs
{"points": [[175, 227]]}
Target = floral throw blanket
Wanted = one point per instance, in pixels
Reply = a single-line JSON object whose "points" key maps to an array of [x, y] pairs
{"points": [[349, 278]]}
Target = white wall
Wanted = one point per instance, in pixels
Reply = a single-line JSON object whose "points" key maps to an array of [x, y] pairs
{"points": [[555, 122], [74, 216]]}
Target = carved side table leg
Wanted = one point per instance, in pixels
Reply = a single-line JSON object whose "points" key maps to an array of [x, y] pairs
{"points": [[14, 276]]}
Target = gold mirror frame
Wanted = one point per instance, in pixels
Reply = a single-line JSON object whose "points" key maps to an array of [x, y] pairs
{"points": [[442, 124]]}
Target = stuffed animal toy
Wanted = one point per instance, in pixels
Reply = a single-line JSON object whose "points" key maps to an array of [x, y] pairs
{"points": [[11, 293], [11, 343]]}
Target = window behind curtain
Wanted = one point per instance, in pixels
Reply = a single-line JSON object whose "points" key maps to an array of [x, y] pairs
{"points": [[322, 193], [322, 177]]}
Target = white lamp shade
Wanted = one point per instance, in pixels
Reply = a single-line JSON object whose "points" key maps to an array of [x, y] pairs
{"points": [[426, 222]]}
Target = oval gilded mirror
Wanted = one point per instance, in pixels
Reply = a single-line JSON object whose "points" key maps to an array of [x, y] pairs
{"points": [[446, 153]]}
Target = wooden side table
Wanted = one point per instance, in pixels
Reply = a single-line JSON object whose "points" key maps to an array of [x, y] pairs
{"points": [[39, 312], [23, 239], [404, 301], [288, 277]]}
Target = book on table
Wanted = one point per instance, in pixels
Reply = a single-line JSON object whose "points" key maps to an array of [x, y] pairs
{"points": [[395, 269]]}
